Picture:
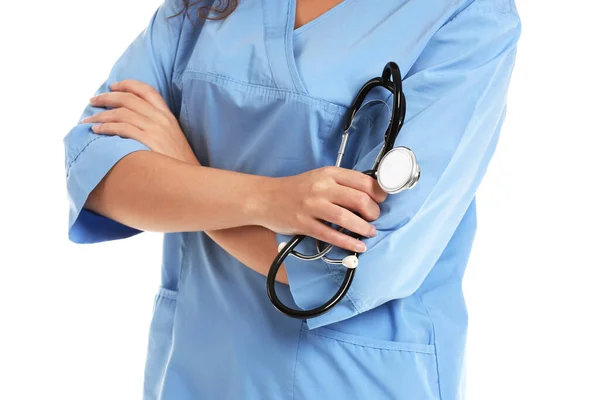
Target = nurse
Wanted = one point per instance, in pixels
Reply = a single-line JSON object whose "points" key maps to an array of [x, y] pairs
{"points": [[219, 127]]}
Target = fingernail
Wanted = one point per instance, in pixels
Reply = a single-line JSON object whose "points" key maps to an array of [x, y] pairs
{"points": [[92, 99], [95, 127], [360, 247], [86, 119], [373, 232]]}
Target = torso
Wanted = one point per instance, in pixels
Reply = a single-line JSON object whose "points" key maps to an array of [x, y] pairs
{"points": [[267, 82]]}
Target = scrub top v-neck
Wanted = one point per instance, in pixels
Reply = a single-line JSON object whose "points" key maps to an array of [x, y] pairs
{"points": [[255, 95], [279, 20]]}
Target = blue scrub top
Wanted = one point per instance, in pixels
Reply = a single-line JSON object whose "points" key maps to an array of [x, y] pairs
{"points": [[255, 95]]}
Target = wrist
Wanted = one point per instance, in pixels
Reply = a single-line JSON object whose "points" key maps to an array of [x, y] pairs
{"points": [[258, 200]]}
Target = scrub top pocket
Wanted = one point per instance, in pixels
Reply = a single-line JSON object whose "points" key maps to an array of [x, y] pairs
{"points": [[257, 130], [329, 362], [159, 342]]}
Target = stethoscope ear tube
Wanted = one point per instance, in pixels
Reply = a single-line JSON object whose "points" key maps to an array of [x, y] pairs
{"points": [[303, 314], [392, 80]]}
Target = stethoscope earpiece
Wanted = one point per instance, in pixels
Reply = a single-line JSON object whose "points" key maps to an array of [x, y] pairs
{"points": [[350, 261]]}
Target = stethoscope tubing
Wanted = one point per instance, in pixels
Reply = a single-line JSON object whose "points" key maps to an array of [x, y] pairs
{"points": [[391, 80], [303, 314]]}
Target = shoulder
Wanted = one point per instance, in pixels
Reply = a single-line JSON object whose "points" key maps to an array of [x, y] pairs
{"points": [[497, 7], [486, 19], [505, 10], [181, 20]]}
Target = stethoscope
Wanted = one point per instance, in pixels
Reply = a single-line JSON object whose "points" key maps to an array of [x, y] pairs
{"points": [[395, 168]]}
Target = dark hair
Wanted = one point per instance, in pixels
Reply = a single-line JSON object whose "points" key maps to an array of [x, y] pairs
{"points": [[219, 11]]}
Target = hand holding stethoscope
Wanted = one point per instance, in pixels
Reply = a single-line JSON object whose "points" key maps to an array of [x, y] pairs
{"points": [[395, 170]]}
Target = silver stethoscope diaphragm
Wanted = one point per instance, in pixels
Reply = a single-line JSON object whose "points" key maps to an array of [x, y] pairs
{"points": [[398, 170]]}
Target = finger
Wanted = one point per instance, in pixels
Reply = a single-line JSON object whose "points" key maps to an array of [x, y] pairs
{"points": [[144, 91], [118, 129], [327, 234], [356, 201], [359, 181], [380, 194], [125, 100], [346, 219], [120, 115]]}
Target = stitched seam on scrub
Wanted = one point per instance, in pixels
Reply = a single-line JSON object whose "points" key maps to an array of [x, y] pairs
{"points": [[216, 78], [265, 43], [78, 154], [483, 10], [186, 115], [296, 360], [176, 39], [289, 43], [375, 347], [437, 364], [169, 360], [184, 246], [167, 293]]}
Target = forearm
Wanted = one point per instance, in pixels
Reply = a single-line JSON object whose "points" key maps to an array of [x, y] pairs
{"points": [[167, 190], [254, 246], [153, 192]]}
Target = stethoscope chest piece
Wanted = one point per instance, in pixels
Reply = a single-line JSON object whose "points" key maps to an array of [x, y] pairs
{"points": [[398, 170]]}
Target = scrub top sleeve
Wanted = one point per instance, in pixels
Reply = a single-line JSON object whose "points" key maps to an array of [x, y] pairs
{"points": [[456, 103], [150, 58]]}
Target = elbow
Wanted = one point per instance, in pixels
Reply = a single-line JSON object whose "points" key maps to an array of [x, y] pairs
{"points": [[95, 200], [90, 193]]}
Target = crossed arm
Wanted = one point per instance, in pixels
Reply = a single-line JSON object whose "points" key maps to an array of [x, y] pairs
{"points": [[158, 190]]}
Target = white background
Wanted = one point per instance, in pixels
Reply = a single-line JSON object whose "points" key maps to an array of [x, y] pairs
{"points": [[74, 319]]}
